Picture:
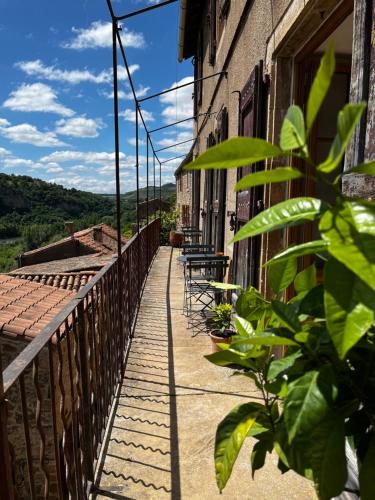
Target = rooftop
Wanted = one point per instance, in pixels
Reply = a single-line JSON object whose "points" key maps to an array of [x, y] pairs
{"points": [[27, 307], [63, 281], [99, 240]]}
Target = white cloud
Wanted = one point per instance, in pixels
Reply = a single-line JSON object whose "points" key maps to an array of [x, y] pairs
{"points": [[79, 168], [99, 35], [4, 152], [4, 122], [84, 183], [140, 92], [29, 134], [17, 162], [133, 142], [179, 103], [54, 170], [129, 115], [36, 97], [97, 157], [79, 127], [38, 69], [171, 140]]}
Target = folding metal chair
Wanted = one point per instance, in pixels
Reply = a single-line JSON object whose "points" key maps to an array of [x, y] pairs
{"points": [[199, 294]]}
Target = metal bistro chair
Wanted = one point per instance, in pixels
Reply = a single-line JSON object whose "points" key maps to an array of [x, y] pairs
{"points": [[200, 295], [191, 233], [196, 248]]}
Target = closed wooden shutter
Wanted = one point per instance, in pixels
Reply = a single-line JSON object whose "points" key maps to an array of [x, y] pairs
{"points": [[212, 48], [208, 198], [219, 186], [249, 203]]}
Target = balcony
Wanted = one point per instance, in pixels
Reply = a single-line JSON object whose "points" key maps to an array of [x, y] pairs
{"points": [[114, 398]]}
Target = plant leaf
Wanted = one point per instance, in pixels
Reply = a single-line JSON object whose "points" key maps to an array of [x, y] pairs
{"points": [[280, 174], [299, 250], [307, 401], [313, 303], [287, 314], [364, 168], [235, 152], [230, 435], [293, 134], [349, 305], [350, 231], [328, 460], [287, 213], [320, 86], [346, 123], [281, 274], [227, 358], [306, 279], [260, 449], [269, 339], [244, 327], [366, 473], [281, 365]]}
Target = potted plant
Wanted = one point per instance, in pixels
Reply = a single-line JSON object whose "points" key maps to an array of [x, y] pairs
{"points": [[221, 332]]}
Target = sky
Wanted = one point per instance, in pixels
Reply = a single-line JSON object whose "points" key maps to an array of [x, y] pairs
{"points": [[56, 95]]}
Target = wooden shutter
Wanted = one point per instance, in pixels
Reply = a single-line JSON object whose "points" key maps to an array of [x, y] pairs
{"points": [[212, 54], [208, 193], [198, 73], [219, 186], [249, 203]]}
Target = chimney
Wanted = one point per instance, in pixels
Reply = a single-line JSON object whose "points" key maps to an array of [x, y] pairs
{"points": [[98, 234], [69, 228]]}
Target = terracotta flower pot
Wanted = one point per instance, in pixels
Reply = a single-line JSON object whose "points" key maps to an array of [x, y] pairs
{"points": [[176, 239], [217, 337]]}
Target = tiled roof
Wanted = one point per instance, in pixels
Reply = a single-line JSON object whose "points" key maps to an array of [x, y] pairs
{"points": [[100, 239], [27, 307], [90, 262], [64, 281]]}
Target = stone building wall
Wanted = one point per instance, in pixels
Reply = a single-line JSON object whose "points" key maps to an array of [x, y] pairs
{"points": [[273, 32]]}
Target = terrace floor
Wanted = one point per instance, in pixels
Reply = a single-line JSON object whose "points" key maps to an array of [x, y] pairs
{"points": [[161, 439]]}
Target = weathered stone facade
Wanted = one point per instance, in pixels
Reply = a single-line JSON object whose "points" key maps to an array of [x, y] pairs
{"points": [[283, 34]]}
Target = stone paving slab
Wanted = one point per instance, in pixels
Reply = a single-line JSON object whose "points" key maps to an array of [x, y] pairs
{"points": [[160, 445]]}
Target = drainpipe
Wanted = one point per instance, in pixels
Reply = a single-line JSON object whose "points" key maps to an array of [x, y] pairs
{"points": [[183, 9]]}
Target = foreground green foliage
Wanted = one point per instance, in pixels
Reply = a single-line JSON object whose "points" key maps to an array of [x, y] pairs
{"points": [[319, 394]]}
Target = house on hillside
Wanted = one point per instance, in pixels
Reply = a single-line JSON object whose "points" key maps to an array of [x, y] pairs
{"points": [[267, 54], [99, 240]]}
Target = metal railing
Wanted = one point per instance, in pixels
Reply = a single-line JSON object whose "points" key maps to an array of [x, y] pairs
{"points": [[56, 395]]}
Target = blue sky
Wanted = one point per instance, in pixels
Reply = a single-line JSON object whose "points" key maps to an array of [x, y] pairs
{"points": [[56, 109]]}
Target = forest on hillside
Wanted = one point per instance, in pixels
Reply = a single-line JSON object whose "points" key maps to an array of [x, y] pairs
{"points": [[33, 212]]}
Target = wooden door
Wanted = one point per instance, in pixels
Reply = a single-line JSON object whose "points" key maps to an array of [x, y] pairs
{"points": [[219, 187], [250, 202]]}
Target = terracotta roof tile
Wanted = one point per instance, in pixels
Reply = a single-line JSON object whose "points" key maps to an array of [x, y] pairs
{"points": [[63, 281], [26, 307]]}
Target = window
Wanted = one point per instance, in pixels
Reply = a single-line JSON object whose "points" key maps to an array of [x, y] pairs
{"points": [[198, 73], [218, 13], [185, 215]]}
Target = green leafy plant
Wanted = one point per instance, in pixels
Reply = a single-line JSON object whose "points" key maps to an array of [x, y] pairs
{"points": [[320, 393], [168, 223], [222, 317]]}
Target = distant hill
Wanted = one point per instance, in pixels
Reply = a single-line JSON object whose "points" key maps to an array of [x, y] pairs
{"points": [[33, 212], [26, 201]]}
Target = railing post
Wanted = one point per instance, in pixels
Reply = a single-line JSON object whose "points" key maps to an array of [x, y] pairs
{"points": [[83, 346], [6, 480]]}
